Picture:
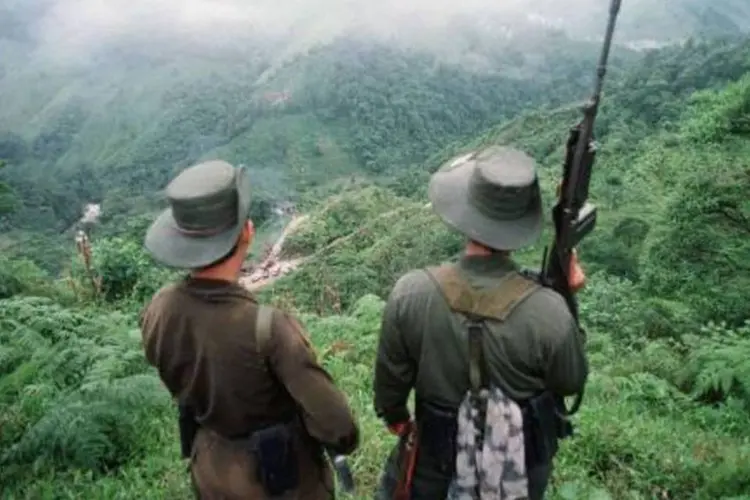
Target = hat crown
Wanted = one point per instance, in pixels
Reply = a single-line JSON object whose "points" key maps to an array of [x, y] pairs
{"points": [[204, 198], [503, 185]]}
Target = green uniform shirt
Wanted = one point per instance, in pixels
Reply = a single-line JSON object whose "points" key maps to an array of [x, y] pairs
{"points": [[199, 334], [424, 346]]}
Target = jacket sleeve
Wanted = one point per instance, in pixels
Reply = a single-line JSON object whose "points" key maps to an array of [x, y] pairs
{"points": [[395, 372], [568, 368], [324, 408]]}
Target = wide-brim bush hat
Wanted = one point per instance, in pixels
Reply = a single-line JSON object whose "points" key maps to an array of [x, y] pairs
{"points": [[492, 196], [208, 205]]}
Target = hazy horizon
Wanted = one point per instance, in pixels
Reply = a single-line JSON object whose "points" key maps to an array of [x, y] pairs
{"points": [[63, 29]]}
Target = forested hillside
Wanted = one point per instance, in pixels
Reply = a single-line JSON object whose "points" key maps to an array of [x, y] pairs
{"points": [[350, 131], [345, 108], [672, 184]]}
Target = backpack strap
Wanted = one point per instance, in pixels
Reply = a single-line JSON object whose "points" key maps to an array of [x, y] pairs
{"points": [[477, 367], [263, 324]]}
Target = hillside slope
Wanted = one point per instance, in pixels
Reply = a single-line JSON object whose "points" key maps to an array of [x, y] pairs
{"points": [[298, 112], [655, 169], [345, 108], [330, 105]]}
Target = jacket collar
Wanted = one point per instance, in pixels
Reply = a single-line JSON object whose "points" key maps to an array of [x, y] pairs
{"points": [[487, 265]]}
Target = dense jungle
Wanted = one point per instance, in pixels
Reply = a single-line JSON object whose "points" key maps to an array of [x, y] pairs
{"points": [[343, 113]]}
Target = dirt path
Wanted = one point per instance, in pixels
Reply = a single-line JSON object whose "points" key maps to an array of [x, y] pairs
{"points": [[272, 267]]}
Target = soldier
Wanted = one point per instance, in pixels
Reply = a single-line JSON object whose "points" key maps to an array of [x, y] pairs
{"points": [[458, 332], [256, 408]]}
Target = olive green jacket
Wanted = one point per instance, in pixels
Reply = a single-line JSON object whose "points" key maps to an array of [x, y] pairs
{"points": [[200, 335], [424, 347]]}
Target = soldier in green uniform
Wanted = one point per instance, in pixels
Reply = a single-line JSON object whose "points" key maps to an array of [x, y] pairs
{"points": [[256, 408], [530, 342]]}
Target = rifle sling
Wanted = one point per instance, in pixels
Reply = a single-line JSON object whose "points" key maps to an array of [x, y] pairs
{"points": [[263, 324]]}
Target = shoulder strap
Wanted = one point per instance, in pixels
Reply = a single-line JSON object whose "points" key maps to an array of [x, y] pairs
{"points": [[495, 303], [263, 323]]}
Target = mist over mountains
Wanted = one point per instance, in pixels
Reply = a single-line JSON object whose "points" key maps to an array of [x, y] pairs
{"points": [[80, 29], [48, 45], [115, 96]]}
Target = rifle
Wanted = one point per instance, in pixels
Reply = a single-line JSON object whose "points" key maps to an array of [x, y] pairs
{"points": [[573, 216], [407, 461]]}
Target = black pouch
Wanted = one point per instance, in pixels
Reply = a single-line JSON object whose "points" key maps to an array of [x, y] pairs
{"points": [[437, 437], [274, 450], [188, 429]]}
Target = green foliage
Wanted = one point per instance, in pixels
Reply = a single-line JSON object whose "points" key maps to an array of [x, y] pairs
{"points": [[717, 365], [401, 106], [345, 107], [341, 215], [19, 276], [360, 242], [75, 392], [668, 257], [7, 195], [78, 401], [665, 310], [702, 245], [126, 271], [671, 188], [718, 116]]}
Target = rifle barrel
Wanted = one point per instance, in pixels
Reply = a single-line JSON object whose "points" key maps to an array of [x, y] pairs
{"points": [[601, 70], [590, 111]]}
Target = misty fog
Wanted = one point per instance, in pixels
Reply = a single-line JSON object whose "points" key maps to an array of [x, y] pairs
{"points": [[72, 30]]}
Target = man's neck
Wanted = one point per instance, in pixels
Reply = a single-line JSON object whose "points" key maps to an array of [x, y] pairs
{"points": [[222, 273], [474, 249]]}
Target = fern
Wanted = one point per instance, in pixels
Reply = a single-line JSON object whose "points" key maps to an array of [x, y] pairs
{"points": [[718, 364], [94, 428], [75, 389]]}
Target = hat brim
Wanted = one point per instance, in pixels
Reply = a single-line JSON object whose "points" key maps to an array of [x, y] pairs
{"points": [[171, 247], [449, 195]]}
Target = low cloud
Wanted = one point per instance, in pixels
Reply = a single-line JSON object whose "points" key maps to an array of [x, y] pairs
{"points": [[74, 29], [85, 24]]}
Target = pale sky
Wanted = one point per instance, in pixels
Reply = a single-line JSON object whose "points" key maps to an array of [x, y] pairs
{"points": [[88, 21]]}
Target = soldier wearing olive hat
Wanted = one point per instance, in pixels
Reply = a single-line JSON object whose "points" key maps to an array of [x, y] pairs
{"points": [[256, 407], [477, 330]]}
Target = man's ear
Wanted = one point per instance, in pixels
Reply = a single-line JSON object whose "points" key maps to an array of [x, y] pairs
{"points": [[248, 231]]}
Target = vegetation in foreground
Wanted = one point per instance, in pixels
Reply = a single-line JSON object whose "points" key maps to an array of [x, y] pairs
{"points": [[84, 417]]}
